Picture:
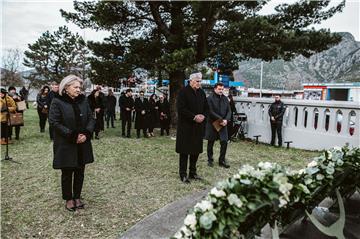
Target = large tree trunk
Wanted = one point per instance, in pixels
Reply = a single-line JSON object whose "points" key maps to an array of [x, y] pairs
{"points": [[176, 83]]}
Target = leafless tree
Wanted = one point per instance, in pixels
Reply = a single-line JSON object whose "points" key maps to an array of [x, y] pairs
{"points": [[11, 62]]}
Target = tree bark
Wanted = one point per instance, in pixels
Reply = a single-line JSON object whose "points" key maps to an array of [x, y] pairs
{"points": [[176, 83]]}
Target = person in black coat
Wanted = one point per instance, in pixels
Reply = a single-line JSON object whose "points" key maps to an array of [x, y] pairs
{"points": [[164, 115], [73, 123], [192, 108], [121, 101], [42, 101], [219, 109], [276, 113], [153, 114], [97, 106], [126, 104], [142, 109], [54, 91], [110, 108]]}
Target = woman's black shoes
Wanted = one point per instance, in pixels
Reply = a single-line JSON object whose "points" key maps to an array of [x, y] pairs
{"points": [[71, 209]]}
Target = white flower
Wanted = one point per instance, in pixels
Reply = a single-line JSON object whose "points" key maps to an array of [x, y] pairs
{"points": [[217, 193], [340, 162], [186, 231], [308, 181], [257, 174], [237, 176], [312, 164], [280, 178], [190, 220], [204, 205], [234, 200], [283, 202], [329, 154], [285, 188], [301, 171], [320, 177], [245, 181], [246, 169], [330, 170], [265, 165], [207, 219], [337, 148], [304, 188], [312, 170]]}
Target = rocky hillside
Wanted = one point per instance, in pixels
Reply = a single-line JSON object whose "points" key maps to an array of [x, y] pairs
{"points": [[340, 63]]}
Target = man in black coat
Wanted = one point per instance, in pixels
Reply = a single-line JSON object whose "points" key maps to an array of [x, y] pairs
{"points": [[142, 109], [219, 112], [276, 113], [126, 103], [192, 109], [110, 108]]}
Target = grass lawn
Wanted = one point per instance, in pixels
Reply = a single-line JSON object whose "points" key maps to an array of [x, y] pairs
{"points": [[130, 179]]}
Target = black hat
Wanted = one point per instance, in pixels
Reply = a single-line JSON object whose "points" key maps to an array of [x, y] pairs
{"points": [[3, 91], [11, 88]]}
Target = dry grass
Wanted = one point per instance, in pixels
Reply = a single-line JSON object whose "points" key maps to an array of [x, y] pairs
{"points": [[130, 179]]}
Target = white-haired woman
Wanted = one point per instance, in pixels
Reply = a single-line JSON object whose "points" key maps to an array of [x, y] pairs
{"points": [[72, 121]]}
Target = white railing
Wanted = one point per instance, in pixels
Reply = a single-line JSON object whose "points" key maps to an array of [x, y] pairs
{"points": [[309, 124]]}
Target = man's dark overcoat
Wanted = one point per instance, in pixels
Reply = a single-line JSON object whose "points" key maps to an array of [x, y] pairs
{"points": [[189, 135], [142, 121], [219, 108]]}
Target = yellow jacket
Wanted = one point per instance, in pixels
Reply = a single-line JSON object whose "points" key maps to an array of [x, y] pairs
{"points": [[11, 106]]}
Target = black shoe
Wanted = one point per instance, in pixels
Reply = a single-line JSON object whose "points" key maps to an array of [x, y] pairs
{"points": [[210, 164], [195, 177], [224, 165], [185, 180]]}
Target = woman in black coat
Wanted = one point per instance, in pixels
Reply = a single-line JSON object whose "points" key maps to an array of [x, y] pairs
{"points": [[73, 123], [42, 100], [97, 105], [192, 110], [164, 115]]}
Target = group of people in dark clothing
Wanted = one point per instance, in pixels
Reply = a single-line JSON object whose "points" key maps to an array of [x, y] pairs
{"points": [[149, 114], [73, 120]]}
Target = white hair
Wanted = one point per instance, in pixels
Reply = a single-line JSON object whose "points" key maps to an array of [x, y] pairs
{"points": [[196, 75], [70, 79]]}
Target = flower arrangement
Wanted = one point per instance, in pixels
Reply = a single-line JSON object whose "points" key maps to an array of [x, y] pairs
{"points": [[241, 205]]}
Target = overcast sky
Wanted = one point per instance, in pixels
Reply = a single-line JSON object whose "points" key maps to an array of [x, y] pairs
{"points": [[22, 22]]}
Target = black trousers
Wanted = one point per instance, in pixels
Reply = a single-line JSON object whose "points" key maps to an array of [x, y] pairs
{"points": [[276, 128], [210, 152], [162, 131], [110, 118], [72, 180], [125, 121], [138, 132], [4, 130], [42, 119], [17, 131], [183, 162]]}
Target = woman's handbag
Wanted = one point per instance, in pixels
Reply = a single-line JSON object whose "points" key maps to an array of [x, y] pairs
{"points": [[16, 119], [45, 110], [21, 105]]}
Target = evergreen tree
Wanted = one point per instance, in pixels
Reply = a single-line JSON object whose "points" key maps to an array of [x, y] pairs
{"points": [[56, 55], [172, 36]]}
